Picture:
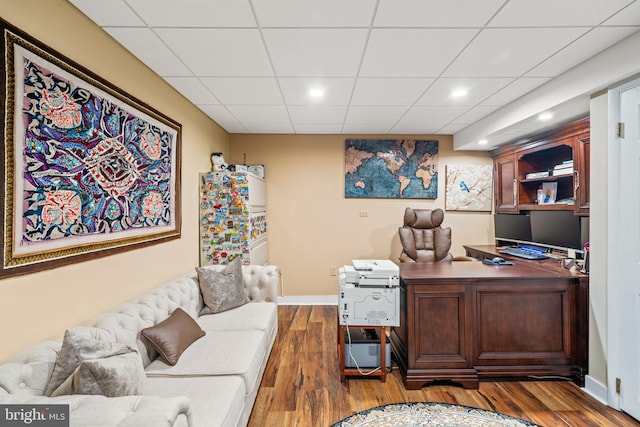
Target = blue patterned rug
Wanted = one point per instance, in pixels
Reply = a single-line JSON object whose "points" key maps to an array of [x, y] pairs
{"points": [[430, 414]]}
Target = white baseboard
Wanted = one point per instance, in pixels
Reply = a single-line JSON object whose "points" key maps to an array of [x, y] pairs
{"points": [[595, 389], [309, 300]]}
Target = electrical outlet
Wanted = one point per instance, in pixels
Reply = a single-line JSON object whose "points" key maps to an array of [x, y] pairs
{"points": [[333, 271], [364, 214]]}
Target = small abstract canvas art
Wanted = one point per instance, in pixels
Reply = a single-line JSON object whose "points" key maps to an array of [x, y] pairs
{"points": [[469, 188]]}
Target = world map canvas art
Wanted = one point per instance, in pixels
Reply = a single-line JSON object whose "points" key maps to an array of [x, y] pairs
{"points": [[86, 168], [396, 169]]}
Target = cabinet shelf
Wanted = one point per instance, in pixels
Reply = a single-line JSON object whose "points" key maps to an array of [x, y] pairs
{"points": [[547, 178], [545, 207]]}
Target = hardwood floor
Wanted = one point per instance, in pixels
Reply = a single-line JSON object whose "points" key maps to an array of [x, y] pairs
{"points": [[301, 385]]}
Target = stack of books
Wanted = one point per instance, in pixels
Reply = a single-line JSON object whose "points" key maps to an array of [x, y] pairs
{"points": [[536, 175], [564, 168]]}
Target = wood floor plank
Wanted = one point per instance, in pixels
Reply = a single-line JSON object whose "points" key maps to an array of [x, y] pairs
{"points": [[301, 385]]}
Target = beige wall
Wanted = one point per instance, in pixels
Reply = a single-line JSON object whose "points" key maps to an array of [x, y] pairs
{"points": [[42, 305], [313, 227]]}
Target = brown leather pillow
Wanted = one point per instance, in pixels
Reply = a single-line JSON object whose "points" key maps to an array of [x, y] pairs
{"points": [[173, 335]]}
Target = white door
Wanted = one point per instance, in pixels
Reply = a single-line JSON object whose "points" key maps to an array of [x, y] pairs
{"points": [[629, 261]]}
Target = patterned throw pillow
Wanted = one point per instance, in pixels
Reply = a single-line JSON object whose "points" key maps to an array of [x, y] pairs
{"points": [[222, 290], [86, 365]]}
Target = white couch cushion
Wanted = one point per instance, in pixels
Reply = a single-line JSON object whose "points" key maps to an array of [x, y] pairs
{"points": [[254, 315], [215, 401], [219, 353]]}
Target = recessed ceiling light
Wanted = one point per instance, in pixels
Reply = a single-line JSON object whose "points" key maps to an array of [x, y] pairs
{"points": [[543, 117], [483, 142], [316, 93], [459, 93]]}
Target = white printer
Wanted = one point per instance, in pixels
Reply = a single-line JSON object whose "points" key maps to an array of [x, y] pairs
{"points": [[369, 293]]}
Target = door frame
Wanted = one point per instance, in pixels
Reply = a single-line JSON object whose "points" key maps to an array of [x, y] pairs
{"points": [[614, 234]]}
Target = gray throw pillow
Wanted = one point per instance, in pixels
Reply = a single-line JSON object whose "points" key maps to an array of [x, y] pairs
{"points": [[79, 346], [222, 290], [112, 376]]}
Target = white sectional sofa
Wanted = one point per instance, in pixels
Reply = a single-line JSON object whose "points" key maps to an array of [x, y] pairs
{"points": [[214, 382]]}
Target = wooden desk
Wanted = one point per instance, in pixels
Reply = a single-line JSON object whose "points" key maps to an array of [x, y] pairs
{"points": [[464, 321]]}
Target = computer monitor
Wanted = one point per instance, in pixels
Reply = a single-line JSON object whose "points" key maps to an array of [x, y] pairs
{"points": [[512, 228], [558, 229]]}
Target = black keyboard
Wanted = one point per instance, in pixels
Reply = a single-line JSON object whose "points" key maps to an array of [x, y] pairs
{"points": [[523, 253]]}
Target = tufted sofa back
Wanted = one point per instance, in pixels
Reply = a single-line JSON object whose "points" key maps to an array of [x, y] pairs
{"points": [[29, 372]]}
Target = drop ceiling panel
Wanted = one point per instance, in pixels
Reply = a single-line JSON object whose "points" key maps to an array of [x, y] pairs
{"points": [[412, 52], [144, 44], [430, 119], [630, 15], [192, 89], [326, 13], [510, 52], [223, 117], [337, 91], [594, 41], [315, 52], [317, 114], [478, 89], [556, 13], [193, 13], [389, 91], [514, 90], [384, 117], [208, 51], [245, 90], [112, 13], [259, 114], [436, 13]]}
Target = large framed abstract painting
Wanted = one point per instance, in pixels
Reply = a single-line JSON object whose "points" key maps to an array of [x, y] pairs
{"points": [[87, 169], [469, 188], [392, 169]]}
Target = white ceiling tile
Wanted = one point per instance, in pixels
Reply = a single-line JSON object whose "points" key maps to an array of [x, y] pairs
{"points": [[412, 52], [554, 13], [515, 90], [193, 13], [585, 47], [111, 13], [366, 128], [192, 89], [628, 16], [209, 53], [436, 13], [478, 89], [384, 116], [510, 52], [337, 91], [261, 127], [476, 113], [259, 114], [315, 52], [147, 47], [388, 91], [223, 117], [317, 114], [318, 128], [244, 90], [452, 128], [427, 119], [326, 13]]}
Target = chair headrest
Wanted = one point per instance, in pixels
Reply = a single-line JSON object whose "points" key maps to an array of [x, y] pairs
{"points": [[423, 218]]}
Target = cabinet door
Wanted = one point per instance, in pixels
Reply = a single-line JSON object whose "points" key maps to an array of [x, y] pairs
{"points": [[505, 182], [582, 156]]}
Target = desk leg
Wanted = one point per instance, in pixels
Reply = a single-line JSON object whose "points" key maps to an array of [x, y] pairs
{"points": [[341, 351], [383, 353]]}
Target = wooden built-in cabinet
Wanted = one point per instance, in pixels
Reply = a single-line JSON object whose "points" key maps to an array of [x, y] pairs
{"points": [[515, 191]]}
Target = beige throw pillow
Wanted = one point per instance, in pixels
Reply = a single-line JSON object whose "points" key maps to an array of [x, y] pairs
{"points": [[172, 336], [222, 290]]}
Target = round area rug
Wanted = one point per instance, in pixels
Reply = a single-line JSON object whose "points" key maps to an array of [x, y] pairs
{"points": [[430, 414]]}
